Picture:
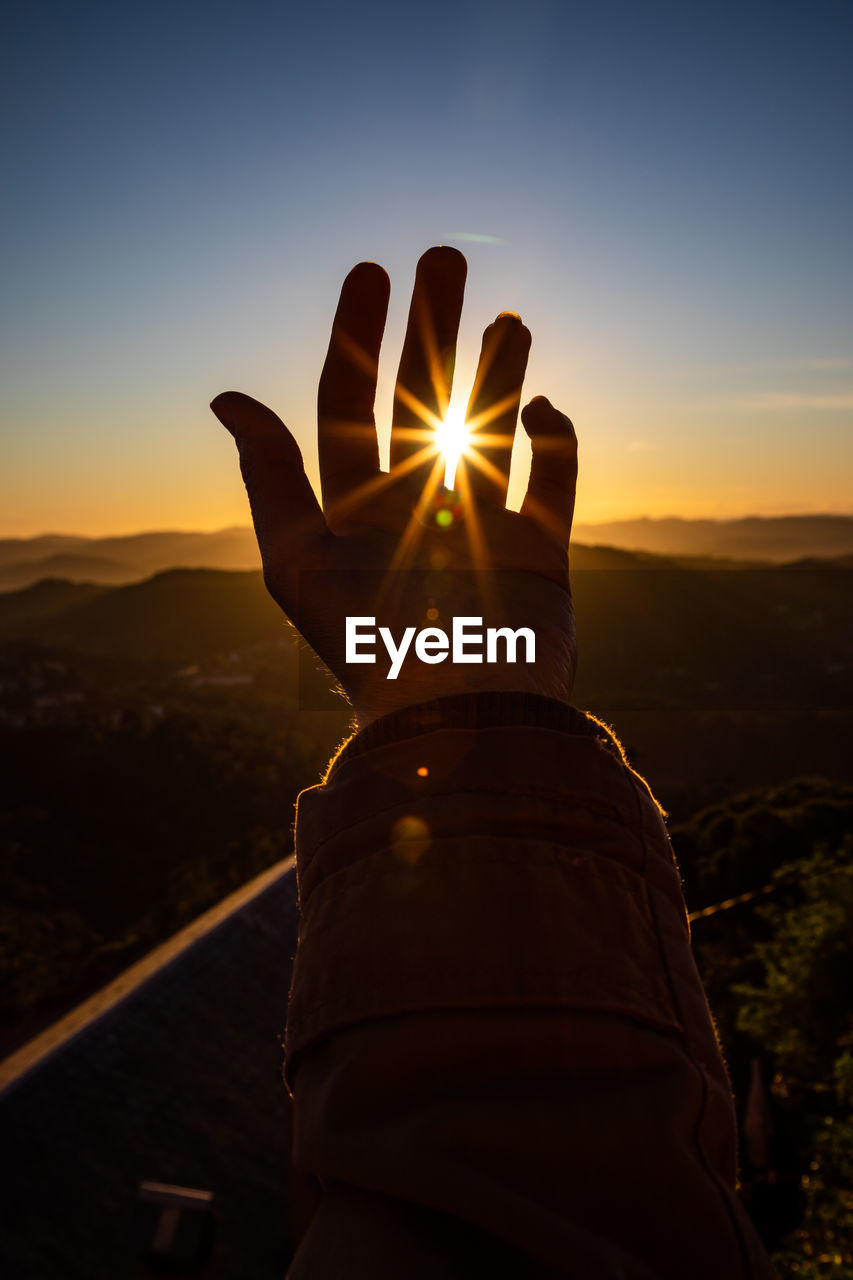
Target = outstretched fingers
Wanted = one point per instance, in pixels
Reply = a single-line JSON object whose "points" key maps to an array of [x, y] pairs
{"points": [[550, 497], [288, 521], [349, 454]]}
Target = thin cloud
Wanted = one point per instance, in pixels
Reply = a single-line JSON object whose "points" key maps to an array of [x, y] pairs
{"points": [[474, 237], [782, 401]]}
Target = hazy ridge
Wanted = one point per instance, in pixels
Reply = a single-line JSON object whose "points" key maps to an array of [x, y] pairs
{"points": [[777, 538], [133, 557]]}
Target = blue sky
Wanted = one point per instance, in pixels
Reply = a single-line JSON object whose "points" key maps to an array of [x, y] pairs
{"points": [[666, 188]]}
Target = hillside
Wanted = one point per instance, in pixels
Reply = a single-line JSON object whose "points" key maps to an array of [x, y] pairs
{"points": [[41, 600], [651, 633], [714, 679], [176, 616], [133, 557], [776, 538], [128, 558]]}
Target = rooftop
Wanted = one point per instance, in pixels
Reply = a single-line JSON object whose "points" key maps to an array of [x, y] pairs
{"points": [[171, 1074]]}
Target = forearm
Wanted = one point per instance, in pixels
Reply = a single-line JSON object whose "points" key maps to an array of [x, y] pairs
{"points": [[495, 1012]]}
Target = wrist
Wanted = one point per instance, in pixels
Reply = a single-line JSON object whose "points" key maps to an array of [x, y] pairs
{"points": [[474, 711], [384, 700], [549, 675]]}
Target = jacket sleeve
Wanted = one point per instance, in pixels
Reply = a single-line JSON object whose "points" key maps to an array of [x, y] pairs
{"points": [[499, 1049]]}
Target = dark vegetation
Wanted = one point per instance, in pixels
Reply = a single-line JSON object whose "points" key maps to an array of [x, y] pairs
{"points": [[778, 971], [155, 736]]}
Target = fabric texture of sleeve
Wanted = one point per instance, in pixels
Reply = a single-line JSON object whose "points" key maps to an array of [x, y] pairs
{"points": [[500, 1052]]}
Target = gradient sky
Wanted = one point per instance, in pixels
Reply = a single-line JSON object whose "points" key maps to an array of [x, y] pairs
{"points": [[666, 191]]}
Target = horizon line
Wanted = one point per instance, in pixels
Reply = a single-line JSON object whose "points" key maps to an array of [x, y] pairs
{"points": [[618, 520]]}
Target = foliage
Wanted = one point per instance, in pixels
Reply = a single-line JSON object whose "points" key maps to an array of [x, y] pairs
{"points": [[821, 1247], [800, 1011], [736, 846], [112, 837]]}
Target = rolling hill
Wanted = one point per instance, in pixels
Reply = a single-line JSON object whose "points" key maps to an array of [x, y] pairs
{"points": [[713, 678], [776, 538], [133, 557], [128, 558], [652, 633]]}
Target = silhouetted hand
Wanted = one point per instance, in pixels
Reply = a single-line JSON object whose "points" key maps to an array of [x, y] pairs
{"points": [[397, 546]]}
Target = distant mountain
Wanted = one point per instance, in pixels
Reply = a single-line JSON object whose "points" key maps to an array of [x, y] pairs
{"points": [[776, 538], [46, 544], [137, 556], [73, 568], [123, 559]]}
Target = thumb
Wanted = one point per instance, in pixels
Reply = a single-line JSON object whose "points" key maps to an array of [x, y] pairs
{"points": [[288, 522]]}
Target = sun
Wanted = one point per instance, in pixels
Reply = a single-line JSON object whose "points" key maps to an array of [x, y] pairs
{"points": [[453, 438]]}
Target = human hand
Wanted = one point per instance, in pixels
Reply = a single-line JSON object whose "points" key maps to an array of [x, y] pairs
{"points": [[397, 546]]}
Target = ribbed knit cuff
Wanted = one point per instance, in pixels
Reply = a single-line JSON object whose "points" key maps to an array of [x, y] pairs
{"points": [[478, 711]]}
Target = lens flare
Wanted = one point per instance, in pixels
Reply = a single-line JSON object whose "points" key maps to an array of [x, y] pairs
{"points": [[453, 438]]}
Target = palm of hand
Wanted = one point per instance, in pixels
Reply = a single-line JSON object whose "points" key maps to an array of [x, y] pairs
{"points": [[396, 546]]}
